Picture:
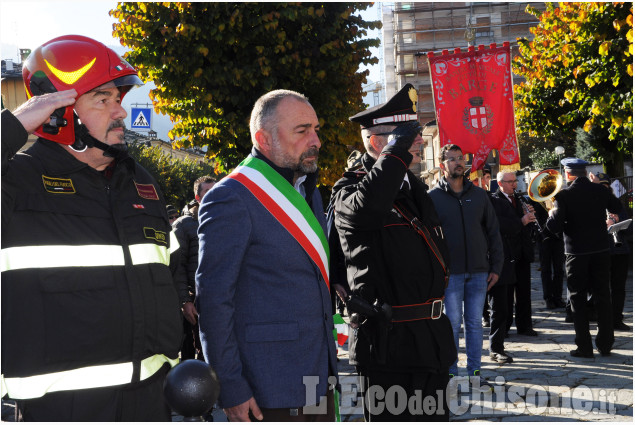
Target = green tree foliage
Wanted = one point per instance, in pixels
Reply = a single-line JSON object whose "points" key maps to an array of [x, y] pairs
{"points": [[578, 71], [175, 177], [539, 153], [584, 145], [542, 158], [211, 61]]}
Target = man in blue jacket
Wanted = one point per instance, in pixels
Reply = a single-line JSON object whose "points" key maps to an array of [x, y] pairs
{"points": [[476, 252], [262, 281]]}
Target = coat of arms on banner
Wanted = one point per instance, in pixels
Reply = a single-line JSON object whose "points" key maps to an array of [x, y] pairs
{"points": [[478, 117]]}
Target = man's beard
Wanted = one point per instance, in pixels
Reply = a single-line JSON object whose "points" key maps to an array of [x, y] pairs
{"points": [[457, 174], [117, 124], [286, 161], [310, 167]]}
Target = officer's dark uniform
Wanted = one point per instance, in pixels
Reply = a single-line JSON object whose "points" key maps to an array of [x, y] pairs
{"points": [[90, 316], [580, 214], [389, 262], [186, 231]]}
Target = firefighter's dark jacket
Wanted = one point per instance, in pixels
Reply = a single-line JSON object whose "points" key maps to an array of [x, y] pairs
{"points": [[388, 260], [63, 317]]}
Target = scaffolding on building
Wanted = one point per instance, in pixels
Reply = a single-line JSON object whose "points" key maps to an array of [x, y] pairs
{"points": [[412, 29]]}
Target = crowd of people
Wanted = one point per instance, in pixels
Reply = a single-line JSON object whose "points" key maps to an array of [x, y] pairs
{"points": [[103, 285]]}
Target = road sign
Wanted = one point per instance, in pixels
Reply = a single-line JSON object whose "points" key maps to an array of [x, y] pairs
{"points": [[141, 118]]}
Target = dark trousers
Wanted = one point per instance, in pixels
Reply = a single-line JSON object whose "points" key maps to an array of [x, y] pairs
{"points": [[522, 292], [498, 301], [399, 397], [552, 268], [139, 402], [620, 264], [590, 272], [191, 348], [301, 414]]}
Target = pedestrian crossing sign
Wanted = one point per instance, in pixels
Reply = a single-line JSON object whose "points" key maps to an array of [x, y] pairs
{"points": [[141, 118]]}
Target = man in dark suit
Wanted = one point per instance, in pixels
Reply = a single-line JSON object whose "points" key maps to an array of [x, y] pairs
{"points": [[580, 214], [513, 210]]}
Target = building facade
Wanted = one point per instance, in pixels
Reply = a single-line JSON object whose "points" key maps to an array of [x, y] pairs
{"points": [[412, 29]]}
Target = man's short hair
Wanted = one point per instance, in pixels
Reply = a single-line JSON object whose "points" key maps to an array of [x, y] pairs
{"points": [[263, 114], [500, 176], [576, 172], [201, 180], [446, 148], [367, 132]]}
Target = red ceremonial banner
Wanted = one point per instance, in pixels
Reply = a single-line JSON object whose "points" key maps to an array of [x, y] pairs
{"points": [[474, 103]]}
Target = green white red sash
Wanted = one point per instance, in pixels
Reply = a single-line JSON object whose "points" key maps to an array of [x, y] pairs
{"points": [[287, 206]]}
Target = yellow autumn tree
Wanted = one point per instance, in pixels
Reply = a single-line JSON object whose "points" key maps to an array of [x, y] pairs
{"points": [[579, 74], [210, 62]]}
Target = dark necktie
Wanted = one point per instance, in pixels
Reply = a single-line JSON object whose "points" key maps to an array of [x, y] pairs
{"points": [[513, 201]]}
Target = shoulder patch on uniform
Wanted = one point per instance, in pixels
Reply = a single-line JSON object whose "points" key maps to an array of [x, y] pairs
{"points": [[54, 185], [155, 235], [147, 191]]}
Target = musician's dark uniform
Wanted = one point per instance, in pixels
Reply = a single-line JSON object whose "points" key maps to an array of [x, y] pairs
{"points": [[580, 214], [525, 256], [551, 250], [501, 295], [387, 260]]}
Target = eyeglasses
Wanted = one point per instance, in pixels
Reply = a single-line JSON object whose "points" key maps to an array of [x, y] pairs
{"points": [[509, 181], [173, 217], [457, 159]]}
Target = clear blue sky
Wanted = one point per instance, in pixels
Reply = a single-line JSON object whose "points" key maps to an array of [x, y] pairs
{"points": [[28, 24]]}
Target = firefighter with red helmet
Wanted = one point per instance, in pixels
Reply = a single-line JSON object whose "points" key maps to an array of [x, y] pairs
{"points": [[90, 315]]}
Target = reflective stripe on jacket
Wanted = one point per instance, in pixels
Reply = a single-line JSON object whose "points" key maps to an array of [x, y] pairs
{"points": [[88, 298], [82, 378]]}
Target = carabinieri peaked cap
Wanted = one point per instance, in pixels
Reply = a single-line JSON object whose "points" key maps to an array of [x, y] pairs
{"points": [[399, 109]]}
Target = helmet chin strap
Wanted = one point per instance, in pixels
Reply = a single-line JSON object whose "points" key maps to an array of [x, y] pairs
{"points": [[84, 140]]}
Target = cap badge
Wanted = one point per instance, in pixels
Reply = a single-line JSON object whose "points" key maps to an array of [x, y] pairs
{"points": [[412, 94]]}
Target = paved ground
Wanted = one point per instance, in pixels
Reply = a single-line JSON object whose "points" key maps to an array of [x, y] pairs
{"points": [[544, 383]]}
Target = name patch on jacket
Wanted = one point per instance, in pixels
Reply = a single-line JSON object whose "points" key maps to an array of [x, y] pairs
{"points": [[53, 185], [147, 191], [155, 235]]}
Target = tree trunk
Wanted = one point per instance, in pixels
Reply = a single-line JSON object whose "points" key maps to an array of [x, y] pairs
{"points": [[615, 167]]}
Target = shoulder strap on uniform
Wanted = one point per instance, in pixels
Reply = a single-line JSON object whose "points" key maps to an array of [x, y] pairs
{"points": [[423, 231]]}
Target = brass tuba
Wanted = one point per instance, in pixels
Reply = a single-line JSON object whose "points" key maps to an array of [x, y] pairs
{"points": [[544, 187]]}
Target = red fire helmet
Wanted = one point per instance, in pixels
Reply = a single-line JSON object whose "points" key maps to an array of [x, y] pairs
{"points": [[73, 62]]}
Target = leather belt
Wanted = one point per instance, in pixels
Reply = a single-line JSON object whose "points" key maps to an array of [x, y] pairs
{"points": [[431, 309]]}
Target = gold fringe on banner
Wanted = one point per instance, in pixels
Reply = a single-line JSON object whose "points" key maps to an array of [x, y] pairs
{"points": [[476, 174], [510, 167]]}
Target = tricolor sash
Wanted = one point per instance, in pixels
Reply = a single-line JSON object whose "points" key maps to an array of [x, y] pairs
{"points": [[287, 206]]}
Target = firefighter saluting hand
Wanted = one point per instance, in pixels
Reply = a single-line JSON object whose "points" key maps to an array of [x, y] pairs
{"points": [[90, 316]]}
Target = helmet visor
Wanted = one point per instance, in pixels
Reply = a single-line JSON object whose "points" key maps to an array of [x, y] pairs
{"points": [[127, 82]]}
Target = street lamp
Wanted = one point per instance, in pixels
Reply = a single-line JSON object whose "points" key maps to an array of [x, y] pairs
{"points": [[560, 152]]}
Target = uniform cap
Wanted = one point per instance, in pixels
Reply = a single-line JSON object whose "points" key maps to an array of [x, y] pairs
{"points": [[400, 108], [171, 210], [574, 163], [603, 178]]}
